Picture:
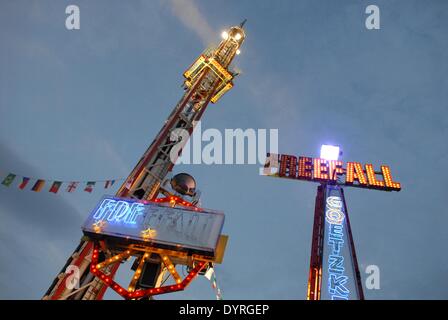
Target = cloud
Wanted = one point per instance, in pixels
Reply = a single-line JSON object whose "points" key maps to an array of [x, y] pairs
{"points": [[188, 12]]}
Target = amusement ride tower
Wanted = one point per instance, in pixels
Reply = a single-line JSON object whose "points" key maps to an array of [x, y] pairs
{"points": [[206, 80]]}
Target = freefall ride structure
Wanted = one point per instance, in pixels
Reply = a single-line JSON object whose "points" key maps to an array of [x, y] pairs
{"points": [[206, 80]]}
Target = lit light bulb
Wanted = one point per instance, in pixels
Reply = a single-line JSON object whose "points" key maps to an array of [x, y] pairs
{"points": [[238, 51], [238, 36], [225, 35], [329, 152]]}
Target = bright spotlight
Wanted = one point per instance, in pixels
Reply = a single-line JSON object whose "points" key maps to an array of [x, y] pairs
{"points": [[329, 152], [238, 51], [225, 35], [238, 36]]}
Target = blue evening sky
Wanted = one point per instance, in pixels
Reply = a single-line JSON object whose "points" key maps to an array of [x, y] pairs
{"points": [[85, 104]]}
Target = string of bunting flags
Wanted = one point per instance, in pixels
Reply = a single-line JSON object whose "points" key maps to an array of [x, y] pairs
{"points": [[54, 185]]}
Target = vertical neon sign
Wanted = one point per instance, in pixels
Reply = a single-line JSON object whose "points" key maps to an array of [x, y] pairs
{"points": [[336, 272], [340, 279]]}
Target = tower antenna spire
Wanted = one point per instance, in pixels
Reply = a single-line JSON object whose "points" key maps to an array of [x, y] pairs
{"points": [[242, 23]]}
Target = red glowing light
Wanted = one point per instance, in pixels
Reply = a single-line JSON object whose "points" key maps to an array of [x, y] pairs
{"points": [[334, 169], [305, 167], [372, 178], [355, 172], [130, 294], [320, 169], [288, 166], [390, 183]]}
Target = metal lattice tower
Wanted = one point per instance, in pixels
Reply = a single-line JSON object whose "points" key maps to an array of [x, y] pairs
{"points": [[206, 80]]}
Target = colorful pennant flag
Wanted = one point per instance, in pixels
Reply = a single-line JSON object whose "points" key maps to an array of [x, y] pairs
{"points": [[109, 183], [38, 185], [9, 179], [25, 181], [210, 275], [55, 186], [72, 186], [89, 186]]}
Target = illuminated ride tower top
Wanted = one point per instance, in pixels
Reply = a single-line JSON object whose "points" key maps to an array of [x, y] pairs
{"points": [[97, 259]]}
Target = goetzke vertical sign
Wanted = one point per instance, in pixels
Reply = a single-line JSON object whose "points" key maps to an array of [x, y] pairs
{"points": [[338, 277], [330, 171]]}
